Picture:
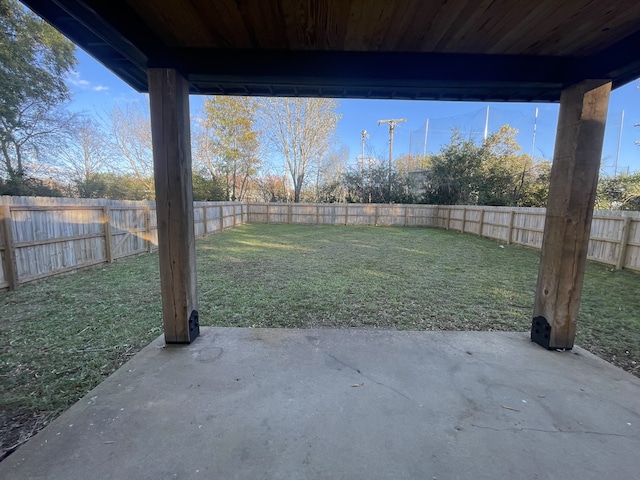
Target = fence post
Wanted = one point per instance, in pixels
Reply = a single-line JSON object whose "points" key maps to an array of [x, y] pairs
{"points": [[448, 218], [511, 217], [147, 227], [346, 214], [106, 220], [375, 221], [406, 212], [481, 222], [11, 268], [624, 240], [221, 212], [464, 218], [317, 214], [436, 219], [204, 219], [234, 214]]}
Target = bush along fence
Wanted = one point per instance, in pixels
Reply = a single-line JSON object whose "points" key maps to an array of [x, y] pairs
{"points": [[42, 237]]}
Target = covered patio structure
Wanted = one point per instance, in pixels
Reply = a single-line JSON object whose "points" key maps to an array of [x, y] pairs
{"points": [[572, 52]]}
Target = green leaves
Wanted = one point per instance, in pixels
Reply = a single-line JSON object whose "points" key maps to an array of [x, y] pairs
{"points": [[34, 59], [493, 173]]}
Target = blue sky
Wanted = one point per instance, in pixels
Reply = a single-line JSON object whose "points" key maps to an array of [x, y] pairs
{"points": [[95, 90]]}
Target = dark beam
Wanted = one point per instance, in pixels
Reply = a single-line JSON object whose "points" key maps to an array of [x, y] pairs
{"points": [[93, 33], [169, 101], [572, 191], [620, 62], [371, 69]]}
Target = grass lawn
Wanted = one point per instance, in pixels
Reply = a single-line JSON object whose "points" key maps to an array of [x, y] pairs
{"points": [[60, 337]]}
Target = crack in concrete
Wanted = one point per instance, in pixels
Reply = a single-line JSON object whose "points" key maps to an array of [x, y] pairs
{"points": [[542, 430], [371, 379]]}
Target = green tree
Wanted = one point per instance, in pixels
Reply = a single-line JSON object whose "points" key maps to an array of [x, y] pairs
{"points": [[505, 172], [493, 173], [412, 163], [113, 186], [208, 189], [621, 192], [374, 186], [231, 141], [535, 191], [455, 173], [34, 60]]}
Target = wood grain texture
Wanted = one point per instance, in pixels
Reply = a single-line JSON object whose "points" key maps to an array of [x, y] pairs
{"points": [[545, 27], [169, 101], [574, 177]]}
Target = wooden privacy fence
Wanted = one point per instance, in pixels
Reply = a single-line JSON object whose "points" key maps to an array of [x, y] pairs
{"points": [[44, 237], [41, 237], [615, 235]]}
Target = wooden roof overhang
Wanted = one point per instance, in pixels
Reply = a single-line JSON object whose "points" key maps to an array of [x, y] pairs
{"points": [[491, 50]]}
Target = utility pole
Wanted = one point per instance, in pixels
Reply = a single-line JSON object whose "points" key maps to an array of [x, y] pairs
{"points": [[615, 167], [364, 136], [392, 125]]}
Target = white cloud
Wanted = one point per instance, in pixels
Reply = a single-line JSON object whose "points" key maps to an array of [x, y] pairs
{"points": [[73, 79]]}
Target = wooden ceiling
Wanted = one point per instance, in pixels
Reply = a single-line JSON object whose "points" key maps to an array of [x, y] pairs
{"points": [[511, 50]]}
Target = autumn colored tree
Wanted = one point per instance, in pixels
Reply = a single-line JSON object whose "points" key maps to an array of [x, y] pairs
{"points": [[228, 141]]}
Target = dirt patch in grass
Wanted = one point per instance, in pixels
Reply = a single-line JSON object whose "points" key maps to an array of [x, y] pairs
{"points": [[18, 426], [60, 337]]}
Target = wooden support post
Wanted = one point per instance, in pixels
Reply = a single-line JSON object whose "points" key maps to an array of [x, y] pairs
{"points": [[317, 214], [572, 191], [346, 214], [268, 214], [481, 226], [221, 212], [169, 101], [437, 217], [624, 240], [10, 266], [406, 212], [108, 239], [375, 221], [509, 233], [448, 218]]}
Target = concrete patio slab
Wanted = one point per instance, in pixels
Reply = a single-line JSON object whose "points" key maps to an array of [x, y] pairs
{"points": [[346, 404]]}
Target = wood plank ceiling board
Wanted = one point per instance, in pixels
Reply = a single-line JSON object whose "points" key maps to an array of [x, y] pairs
{"points": [[512, 50]]}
